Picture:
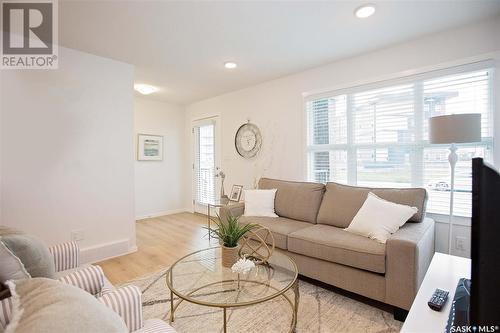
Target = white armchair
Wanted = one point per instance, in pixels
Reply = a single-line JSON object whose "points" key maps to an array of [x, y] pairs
{"points": [[125, 301]]}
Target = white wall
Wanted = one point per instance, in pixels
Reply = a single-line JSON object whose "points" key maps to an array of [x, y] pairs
{"points": [[67, 153], [159, 187], [277, 106]]}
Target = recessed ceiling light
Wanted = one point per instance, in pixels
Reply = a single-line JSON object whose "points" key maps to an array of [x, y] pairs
{"points": [[145, 89], [230, 65], [365, 11]]}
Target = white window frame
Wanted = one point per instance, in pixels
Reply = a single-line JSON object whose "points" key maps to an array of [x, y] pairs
{"points": [[487, 64]]}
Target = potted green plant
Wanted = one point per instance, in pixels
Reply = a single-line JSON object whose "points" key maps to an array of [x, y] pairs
{"points": [[229, 233]]}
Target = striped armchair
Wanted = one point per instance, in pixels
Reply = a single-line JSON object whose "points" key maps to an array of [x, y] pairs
{"points": [[125, 301]]}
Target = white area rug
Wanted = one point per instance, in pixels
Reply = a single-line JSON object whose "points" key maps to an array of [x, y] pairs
{"points": [[320, 310]]}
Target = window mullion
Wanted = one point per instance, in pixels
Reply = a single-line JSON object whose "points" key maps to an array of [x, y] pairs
{"points": [[351, 150], [417, 152]]}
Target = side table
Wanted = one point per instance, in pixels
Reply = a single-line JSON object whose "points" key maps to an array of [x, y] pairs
{"points": [[216, 204]]}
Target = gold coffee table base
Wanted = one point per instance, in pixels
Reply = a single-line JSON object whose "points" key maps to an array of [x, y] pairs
{"points": [[293, 304]]}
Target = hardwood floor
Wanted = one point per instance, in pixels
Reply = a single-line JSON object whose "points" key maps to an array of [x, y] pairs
{"points": [[160, 242]]}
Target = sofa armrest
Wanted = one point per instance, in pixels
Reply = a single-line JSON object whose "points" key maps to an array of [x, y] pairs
{"points": [[234, 210], [127, 302], [408, 254], [90, 278], [66, 256]]}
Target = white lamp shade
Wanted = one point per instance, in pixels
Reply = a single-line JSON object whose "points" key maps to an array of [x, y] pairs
{"points": [[455, 128]]}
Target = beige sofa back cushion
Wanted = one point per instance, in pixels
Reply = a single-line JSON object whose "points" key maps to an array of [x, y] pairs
{"points": [[295, 200], [342, 202]]}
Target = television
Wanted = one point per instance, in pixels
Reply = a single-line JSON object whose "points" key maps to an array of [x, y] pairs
{"points": [[485, 246], [476, 304]]}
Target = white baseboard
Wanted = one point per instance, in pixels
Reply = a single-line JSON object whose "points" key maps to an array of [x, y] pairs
{"points": [[92, 254], [161, 213]]}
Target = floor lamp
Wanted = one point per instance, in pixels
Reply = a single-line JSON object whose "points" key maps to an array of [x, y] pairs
{"points": [[453, 129]]}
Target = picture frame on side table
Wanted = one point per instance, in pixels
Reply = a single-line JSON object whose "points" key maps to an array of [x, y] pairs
{"points": [[149, 147], [235, 194]]}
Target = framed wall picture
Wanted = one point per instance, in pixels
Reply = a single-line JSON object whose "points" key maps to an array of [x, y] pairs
{"points": [[235, 194], [149, 147]]}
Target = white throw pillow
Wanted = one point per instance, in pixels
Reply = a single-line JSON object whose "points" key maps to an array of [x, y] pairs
{"points": [[378, 218], [260, 203]]}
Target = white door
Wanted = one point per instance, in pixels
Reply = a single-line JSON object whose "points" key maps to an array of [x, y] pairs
{"points": [[205, 163]]}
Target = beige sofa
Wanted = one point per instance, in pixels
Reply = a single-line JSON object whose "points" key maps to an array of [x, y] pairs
{"points": [[310, 227]]}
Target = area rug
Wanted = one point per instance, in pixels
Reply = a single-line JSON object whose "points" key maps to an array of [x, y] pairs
{"points": [[320, 310]]}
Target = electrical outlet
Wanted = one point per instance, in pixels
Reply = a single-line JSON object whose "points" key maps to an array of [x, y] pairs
{"points": [[460, 243], [77, 235]]}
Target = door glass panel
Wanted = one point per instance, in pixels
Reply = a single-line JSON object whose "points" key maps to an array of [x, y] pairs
{"points": [[205, 163]]}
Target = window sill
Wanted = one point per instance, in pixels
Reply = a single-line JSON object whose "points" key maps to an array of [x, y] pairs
{"points": [[457, 220]]}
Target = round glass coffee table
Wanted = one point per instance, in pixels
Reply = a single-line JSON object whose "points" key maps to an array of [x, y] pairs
{"points": [[201, 279]]}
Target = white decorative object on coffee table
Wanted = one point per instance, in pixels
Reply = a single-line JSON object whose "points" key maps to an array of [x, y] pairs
{"points": [[242, 266]]}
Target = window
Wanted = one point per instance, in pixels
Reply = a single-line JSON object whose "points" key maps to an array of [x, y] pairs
{"points": [[377, 136]]}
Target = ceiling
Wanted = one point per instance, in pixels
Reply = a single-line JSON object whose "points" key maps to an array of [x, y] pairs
{"points": [[181, 46]]}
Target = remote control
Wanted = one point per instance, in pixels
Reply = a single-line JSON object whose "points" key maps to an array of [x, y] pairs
{"points": [[438, 299]]}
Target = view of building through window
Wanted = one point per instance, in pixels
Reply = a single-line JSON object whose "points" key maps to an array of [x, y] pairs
{"points": [[379, 137]]}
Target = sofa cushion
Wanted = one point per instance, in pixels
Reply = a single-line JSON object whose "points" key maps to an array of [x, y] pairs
{"points": [[45, 305], [378, 219], [295, 200], [11, 268], [342, 202], [260, 203], [31, 252], [280, 227], [339, 246]]}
